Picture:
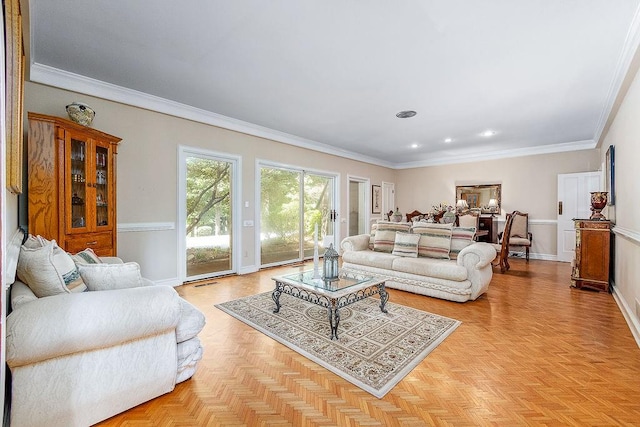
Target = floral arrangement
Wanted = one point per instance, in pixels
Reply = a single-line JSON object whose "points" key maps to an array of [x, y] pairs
{"points": [[442, 208], [444, 213]]}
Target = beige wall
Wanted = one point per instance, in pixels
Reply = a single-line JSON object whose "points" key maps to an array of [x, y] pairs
{"points": [[529, 184], [147, 171], [624, 134], [147, 179]]}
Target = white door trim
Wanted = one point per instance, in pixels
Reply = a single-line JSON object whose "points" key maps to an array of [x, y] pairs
{"points": [[367, 199]]}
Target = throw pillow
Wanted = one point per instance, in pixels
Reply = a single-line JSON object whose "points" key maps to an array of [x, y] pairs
{"points": [[372, 235], [386, 235], [461, 237], [48, 270], [406, 244], [104, 277], [86, 257], [435, 239], [33, 242]]}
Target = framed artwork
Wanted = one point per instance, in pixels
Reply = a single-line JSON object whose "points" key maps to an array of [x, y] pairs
{"points": [[376, 199], [472, 199], [610, 175], [14, 54]]}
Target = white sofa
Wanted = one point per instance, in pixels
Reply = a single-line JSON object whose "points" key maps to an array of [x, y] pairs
{"points": [[461, 279], [77, 358]]}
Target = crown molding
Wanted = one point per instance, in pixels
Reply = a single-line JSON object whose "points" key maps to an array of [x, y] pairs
{"points": [[629, 49], [502, 154], [51, 76]]}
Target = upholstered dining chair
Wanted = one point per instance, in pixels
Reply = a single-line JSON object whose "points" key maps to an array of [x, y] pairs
{"points": [[502, 248], [469, 219], [520, 235]]}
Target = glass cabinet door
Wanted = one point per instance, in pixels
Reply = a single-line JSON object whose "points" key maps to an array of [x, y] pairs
{"points": [[78, 181], [102, 187]]}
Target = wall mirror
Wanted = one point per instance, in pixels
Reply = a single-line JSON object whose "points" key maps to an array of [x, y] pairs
{"points": [[480, 196]]}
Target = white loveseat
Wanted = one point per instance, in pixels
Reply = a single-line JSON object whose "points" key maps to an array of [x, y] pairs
{"points": [[462, 279], [77, 358]]}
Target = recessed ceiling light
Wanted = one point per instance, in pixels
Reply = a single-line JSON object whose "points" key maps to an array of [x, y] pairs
{"points": [[406, 114], [448, 140], [488, 133]]}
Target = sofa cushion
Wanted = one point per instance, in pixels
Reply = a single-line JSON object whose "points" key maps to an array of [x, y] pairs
{"points": [[461, 237], [86, 257], [430, 267], [104, 277], [406, 244], [519, 241], [435, 239], [48, 270], [191, 321], [386, 235], [369, 258]]}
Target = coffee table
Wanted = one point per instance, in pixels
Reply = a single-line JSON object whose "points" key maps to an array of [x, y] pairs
{"points": [[331, 294]]}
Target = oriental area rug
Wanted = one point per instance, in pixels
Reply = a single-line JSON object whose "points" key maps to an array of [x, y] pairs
{"points": [[374, 350]]}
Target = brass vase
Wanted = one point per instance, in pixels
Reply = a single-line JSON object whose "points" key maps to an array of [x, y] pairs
{"points": [[598, 202]]}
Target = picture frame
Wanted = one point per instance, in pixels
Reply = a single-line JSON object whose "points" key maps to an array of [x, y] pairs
{"points": [[472, 199], [610, 175], [376, 199], [14, 84]]}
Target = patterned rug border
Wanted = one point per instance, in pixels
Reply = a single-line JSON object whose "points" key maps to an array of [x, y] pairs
{"points": [[377, 392]]}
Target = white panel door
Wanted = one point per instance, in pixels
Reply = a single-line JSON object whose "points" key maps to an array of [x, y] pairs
{"points": [[574, 201], [388, 198]]}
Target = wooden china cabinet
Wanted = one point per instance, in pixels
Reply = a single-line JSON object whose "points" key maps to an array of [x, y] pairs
{"points": [[72, 184]]}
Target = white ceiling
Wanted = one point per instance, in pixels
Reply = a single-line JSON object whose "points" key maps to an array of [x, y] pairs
{"points": [[332, 74]]}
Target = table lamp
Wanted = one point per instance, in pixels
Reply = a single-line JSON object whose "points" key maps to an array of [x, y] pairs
{"points": [[493, 204], [461, 205]]}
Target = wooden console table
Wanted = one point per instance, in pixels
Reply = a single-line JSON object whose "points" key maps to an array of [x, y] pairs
{"points": [[488, 229], [593, 250]]}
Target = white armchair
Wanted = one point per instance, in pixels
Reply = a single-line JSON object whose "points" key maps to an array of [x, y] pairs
{"points": [[78, 358]]}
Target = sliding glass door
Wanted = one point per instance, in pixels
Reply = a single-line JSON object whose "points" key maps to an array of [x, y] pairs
{"points": [[280, 209], [207, 196], [293, 205]]}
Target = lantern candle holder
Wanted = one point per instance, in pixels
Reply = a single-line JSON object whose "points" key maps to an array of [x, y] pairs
{"points": [[330, 264]]}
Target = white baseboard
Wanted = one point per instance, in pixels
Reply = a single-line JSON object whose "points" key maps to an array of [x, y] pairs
{"points": [[169, 282], [248, 269], [627, 312], [532, 255], [175, 282]]}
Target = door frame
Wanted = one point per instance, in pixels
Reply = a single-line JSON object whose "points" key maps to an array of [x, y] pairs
{"points": [[236, 216], [367, 199], [258, 202]]}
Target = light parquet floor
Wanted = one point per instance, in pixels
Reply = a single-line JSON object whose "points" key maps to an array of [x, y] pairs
{"points": [[532, 351]]}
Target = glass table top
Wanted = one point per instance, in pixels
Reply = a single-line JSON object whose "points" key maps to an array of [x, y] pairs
{"points": [[347, 281]]}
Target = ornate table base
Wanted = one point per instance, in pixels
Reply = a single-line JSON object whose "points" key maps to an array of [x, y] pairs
{"points": [[331, 304]]}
